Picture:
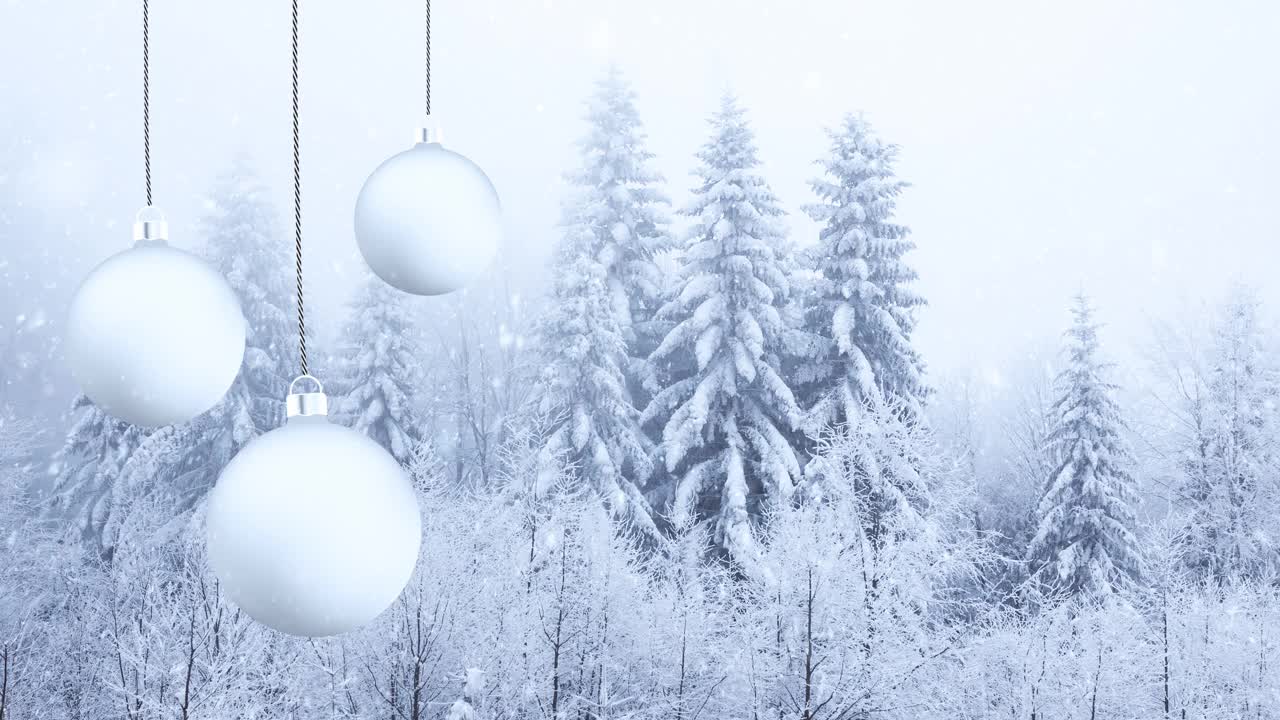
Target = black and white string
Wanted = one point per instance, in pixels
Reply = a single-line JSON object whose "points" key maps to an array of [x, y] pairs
{"points": [[146, 95], [297, 203]]}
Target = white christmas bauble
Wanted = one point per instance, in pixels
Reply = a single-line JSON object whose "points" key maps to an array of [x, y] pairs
{"points": [[313, 529], [428, 220], [155, 335]]}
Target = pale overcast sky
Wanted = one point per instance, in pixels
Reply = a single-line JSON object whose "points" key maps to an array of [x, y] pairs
{"points": [[1126, 148]]}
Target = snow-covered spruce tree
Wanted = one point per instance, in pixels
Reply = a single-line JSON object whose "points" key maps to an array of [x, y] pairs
{"points": [[860, 307], [725, 411], [599, 324], [379, 369], [595, 428], [243, 243], [94, 452], [617, 200], [1084, 542]]}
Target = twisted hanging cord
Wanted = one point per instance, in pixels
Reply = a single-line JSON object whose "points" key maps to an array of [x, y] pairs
{"points": [[146, 95], [428, 58], [297, 202]]}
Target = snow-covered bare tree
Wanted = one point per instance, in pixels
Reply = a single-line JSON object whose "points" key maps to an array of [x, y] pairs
{"points": [[405, 651], [177, 648], [51, 654], [725, 411], [378, 369], [20, 566], [1084, 542], [1228, 490], [464, 708], [1077, 659], [456, 610], [480, 376], [996, 434], [862, 306], [579, 625], [1222, 649], [858, 580], [403, 654], [690, 660]]}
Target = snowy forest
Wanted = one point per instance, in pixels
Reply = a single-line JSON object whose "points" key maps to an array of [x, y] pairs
{"points": [[693, 465]]}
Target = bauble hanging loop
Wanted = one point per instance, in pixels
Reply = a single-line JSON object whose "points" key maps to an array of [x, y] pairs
{"points": [[313, 529], [154, 335], [308, 403], [428, 220]]}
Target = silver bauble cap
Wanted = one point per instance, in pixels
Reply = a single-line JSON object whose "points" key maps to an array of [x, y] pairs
{"points": [[150, 226], [306, 404]]}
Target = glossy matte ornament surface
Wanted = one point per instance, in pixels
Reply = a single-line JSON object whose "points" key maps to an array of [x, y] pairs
{"points": [[428, 220], [313, 529], [155, 335]]}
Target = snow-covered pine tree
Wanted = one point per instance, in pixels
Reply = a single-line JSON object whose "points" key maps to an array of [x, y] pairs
{"points": [[243, 243], [725, 411], [861, 307], [619, 202], [1084, 542], [594, 427], [606, 291], [379, 369], [94, 452]]}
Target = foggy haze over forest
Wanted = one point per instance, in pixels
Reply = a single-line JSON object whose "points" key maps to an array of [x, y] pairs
{"points": [[843, 361], [1119, 148]]}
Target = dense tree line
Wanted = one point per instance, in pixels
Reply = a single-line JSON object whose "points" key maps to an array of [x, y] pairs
{"points": [[706, 475]]}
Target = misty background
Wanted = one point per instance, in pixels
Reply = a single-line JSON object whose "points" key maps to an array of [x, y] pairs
{"points": [[1126, 149], [678, 461]]}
